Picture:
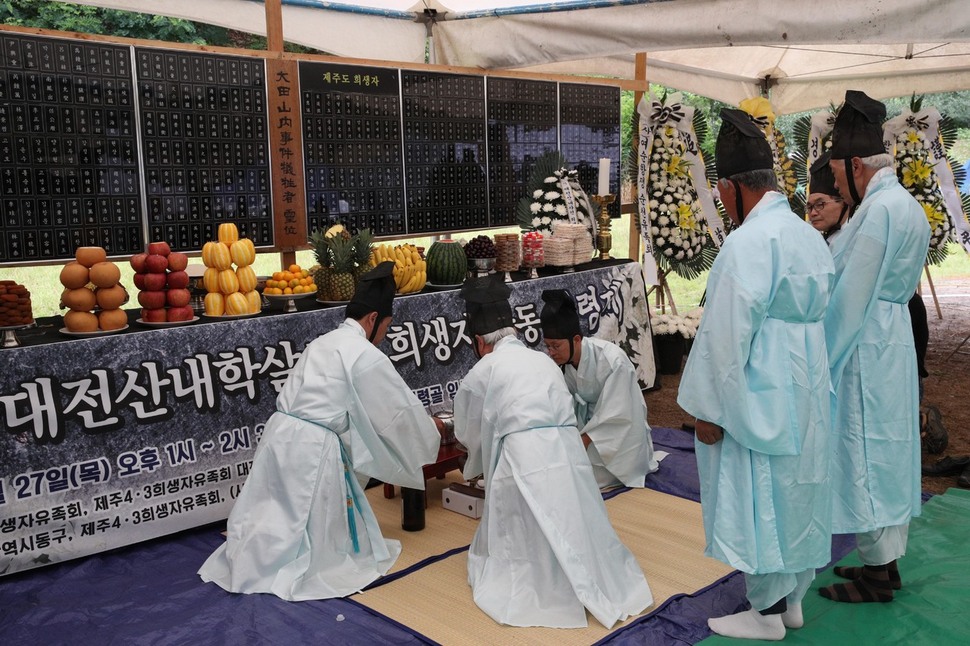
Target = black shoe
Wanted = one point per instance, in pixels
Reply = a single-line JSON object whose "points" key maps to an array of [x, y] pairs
{"points": [[964, 479], [935, 438], [949, 466]]}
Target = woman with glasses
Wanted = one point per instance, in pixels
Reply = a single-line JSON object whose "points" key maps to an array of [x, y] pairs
{"points": [[825, 209]]}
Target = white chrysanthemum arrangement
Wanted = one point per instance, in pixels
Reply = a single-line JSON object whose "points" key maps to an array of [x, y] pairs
{"points": [[675, 211], [917, 176], [685, 326], [548, 202]]}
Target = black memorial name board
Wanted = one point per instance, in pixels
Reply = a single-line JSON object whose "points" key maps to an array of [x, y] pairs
{"points": [[352, 147], [206, 150], [589, 122], [522, 126], [68, 149], [444, 151]]}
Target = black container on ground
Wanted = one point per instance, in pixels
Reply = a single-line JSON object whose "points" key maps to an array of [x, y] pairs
{"points": [[412, 509]]}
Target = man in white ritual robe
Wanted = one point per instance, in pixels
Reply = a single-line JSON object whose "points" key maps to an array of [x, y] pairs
{"points": [[868, 330], [757, 380], [544, 551], [610, 410], [302, 527]]}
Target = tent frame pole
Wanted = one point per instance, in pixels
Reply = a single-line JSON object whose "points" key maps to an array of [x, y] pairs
{"points": [[640, 74]]}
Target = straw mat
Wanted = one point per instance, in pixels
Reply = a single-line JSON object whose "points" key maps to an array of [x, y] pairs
{"points": [[443, 529], [664, 532]]}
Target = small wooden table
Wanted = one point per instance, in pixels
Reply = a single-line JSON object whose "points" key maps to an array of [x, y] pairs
{"points": [[450, 457]]}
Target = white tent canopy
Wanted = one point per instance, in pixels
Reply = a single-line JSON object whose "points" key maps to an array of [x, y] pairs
{"points": [[804, 55]]}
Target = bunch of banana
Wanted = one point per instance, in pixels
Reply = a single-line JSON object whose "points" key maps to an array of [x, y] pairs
{"points": [[410, 271]]}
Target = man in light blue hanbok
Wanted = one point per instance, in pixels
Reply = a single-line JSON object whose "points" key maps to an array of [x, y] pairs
{"points": [[878, 258], [544, 551], [610, 410], [302, 528], [757, 380]]}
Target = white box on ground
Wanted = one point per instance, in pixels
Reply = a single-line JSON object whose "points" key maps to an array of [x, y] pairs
{"points": [[462, 503]]}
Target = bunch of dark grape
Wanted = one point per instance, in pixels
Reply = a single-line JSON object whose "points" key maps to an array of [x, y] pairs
{"points": [[480, 247]]}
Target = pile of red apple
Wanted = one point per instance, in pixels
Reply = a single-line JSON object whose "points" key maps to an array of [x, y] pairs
{"points": [[160, 276]]}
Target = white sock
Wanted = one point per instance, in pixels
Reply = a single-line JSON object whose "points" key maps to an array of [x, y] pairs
{"points": [[749, 624], [792, 618]]}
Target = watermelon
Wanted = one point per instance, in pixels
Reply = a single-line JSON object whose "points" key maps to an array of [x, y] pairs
{"points": [[447, 264]]}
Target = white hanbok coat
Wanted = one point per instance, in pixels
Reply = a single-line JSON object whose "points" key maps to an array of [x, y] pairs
{"points": [[758, 368], [878, 256], [545, 548], [610, 409], [302, 528]]}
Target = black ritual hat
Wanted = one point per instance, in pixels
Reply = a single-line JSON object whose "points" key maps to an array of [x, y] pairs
{"points": [[487, 305], [559, 319], [376, 289], [858, 127], [821, 179], [741, 146]]}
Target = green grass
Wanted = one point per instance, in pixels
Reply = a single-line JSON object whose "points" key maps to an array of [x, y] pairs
{"points": [[960, 150], [45, 288]]}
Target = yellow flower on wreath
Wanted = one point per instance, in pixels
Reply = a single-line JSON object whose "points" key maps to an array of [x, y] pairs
{"points": [[933, 214], [685, 217], [916, 172], [913, 137], [673, 164], [759, 108]]}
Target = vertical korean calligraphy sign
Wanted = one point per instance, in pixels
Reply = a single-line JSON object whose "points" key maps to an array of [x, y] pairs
{"points": [[286, 154]]}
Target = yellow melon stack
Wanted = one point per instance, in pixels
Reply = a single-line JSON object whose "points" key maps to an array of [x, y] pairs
{"points": [[231, 292], [92, 293]]}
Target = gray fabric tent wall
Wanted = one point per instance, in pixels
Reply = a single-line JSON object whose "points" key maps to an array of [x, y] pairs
{"points": [[804, 55]]}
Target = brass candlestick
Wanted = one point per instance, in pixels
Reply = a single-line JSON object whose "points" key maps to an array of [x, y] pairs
{"points": [[604, 239]]}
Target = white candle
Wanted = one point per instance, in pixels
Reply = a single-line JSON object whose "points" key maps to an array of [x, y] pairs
{"points": [[604, 179]]}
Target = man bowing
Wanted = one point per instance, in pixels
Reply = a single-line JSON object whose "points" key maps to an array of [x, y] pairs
{"points": [[610, 410], [302, 528], [545, 551]]}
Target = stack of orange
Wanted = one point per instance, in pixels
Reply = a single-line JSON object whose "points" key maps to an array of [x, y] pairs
{"points": [[293, 280]]}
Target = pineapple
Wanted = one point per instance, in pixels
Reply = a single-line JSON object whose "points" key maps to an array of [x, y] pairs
{"points": [[338, 253], [342, 278], [363, 247]]}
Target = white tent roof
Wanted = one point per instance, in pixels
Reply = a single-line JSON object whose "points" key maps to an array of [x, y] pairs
{"points": [[806, 54]]}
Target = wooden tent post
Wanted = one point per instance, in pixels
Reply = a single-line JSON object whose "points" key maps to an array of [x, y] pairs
{"points": [[936, 301]]}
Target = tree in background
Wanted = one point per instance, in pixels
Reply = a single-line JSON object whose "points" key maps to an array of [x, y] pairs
{"points": [[48, 14]]}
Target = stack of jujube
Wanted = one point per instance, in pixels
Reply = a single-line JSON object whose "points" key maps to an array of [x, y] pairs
{"points": [[160, 275], [15, 307], [230, 292], [92, 293]]}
